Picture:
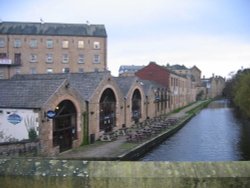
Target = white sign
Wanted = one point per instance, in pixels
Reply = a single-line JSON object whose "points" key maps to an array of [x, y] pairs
{"points": [[5, 62], [16, 123]]}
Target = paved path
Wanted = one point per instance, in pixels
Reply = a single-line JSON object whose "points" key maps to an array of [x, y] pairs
{"points": [[101, 150]]}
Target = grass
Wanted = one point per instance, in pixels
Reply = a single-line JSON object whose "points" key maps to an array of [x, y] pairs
{"points": [[179, 109], [199, 107]]}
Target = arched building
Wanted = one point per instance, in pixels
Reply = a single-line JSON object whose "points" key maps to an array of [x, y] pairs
{"points": [[133, 100], [50, 107], [68, 110]]}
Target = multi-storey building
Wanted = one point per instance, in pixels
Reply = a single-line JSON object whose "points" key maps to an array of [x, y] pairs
{"points": [[181, 91], [213, 86], [30, 48]]}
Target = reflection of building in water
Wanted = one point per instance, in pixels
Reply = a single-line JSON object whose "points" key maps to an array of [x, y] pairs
{"points": [[224, 103]]}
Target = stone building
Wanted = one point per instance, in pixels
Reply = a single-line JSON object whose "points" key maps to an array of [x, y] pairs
{"points": [[194, 79], [143, 99], [67, 110], [213, 86], [129, 70], [180, 89], [31, 103], [30, 48]]}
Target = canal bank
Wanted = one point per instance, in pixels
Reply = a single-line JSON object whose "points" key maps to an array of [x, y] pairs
{"points": [[216, 133], [121, 149]]}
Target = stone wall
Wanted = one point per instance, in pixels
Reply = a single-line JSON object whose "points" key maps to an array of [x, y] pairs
{"points": [[22, 148], [98, 174]]}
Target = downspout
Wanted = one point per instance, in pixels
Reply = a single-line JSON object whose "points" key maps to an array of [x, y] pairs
{"points": [[125, 112], [86, 125], [147, 103]]}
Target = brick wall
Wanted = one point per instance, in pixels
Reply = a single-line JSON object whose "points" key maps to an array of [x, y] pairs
{"points": [[155, 73]]}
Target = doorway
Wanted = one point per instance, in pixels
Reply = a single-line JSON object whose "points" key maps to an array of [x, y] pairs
{"points": [[64, 125]]}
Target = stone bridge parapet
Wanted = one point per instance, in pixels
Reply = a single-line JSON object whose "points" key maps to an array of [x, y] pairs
{"points": [[33, 172]]}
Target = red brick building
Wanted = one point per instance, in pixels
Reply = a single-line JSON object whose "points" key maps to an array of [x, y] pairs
{"points": [[155, 73]]}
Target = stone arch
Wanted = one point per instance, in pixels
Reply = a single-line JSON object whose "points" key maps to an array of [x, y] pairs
{"points": [[136, 102], [107, 110], [65, 125]]}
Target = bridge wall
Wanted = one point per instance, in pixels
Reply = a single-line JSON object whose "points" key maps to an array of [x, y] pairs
{"points": [[76, 173]]}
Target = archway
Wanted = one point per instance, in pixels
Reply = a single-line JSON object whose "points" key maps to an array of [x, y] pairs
{"points": [[64, 125], [107, 110], [136, 105]]}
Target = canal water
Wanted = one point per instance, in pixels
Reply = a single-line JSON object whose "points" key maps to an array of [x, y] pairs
{"points": [[215, 134]]}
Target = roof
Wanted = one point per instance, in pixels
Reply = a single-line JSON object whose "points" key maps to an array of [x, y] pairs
{"points": [[58, 29], [27, 93], [178, 67], [125, 83], [87, 83], [195, 67], [84, 83], [130, 68]]}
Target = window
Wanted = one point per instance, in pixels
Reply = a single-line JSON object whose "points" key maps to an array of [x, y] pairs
{"points": [[49, 58], [96, 59], [32, 70], [81, 58], [3, 55], [65, 44], [17, 43], [2, 43], [65, 58], [33, 58], [96, 45], [17, 59], [80, 44], [81, 70], [65, 70], [33, 43], [49, 43], [49, 70]]}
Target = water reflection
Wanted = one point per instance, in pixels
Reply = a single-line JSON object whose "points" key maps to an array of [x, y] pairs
{"points": [[215, 134], [219, 104]]}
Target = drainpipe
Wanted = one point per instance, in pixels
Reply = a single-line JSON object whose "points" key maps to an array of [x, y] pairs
{"points": [[86, 125], [147, 107], [125, 111]]}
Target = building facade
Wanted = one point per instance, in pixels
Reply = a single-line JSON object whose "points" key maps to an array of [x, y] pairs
{"points": [[37, 48], [181, 90], [67, 110], [129, 70]]}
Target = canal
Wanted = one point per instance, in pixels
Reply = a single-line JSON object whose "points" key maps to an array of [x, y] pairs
{"points": [[215, 134]]}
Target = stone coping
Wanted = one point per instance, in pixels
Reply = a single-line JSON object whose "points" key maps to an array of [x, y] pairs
{"points": [[71, 173]]}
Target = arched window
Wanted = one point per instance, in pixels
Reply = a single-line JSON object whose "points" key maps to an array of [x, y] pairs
{"points": [[136, 105], [107, 110]]}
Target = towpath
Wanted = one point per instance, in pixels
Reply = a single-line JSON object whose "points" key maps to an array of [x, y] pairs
{"points": [[111, 150]]}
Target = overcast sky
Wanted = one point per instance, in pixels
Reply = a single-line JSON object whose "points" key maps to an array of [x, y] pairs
{"points": [[214, 35]]}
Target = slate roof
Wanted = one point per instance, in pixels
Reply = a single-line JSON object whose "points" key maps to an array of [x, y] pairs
{"points": [[87, 83], [52, 29], [27, 93], [178, 67], [84, 83], [125, 83], [130, 68]]}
